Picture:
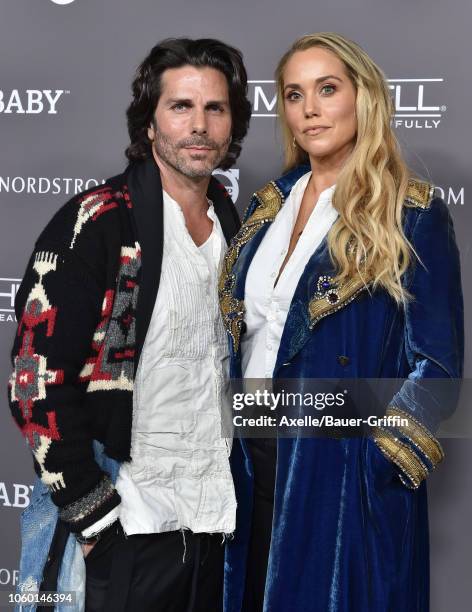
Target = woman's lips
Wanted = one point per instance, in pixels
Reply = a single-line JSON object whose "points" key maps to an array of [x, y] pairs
{"points": [[315, 130]]}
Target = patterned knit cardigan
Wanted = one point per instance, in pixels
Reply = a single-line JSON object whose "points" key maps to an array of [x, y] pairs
{"points": [[74, 350]]}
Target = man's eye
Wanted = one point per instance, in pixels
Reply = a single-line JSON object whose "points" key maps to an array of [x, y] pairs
{"points": [[327, 90], [215, 108], [179, 106]]}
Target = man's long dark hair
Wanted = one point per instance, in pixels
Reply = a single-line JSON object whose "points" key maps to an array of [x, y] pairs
{"points": [[175, 53]]}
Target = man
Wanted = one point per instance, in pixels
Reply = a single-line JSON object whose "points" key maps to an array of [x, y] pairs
{"points": [[118, 386]]}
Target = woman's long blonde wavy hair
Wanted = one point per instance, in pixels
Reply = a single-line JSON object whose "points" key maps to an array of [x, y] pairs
{"points": [[367, 238]]}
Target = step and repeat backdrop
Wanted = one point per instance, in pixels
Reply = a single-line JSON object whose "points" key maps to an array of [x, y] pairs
{"points": [[65, 73]]}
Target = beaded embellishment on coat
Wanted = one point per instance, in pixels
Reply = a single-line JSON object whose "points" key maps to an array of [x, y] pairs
{"points": [[329, 298], [419, 194], [269, 200]]}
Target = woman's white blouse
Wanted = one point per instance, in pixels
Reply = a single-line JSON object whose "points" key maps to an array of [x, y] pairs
{"points": [[267, 306]]}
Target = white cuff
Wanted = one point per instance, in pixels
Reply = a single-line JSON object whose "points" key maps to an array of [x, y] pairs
{"points": [[101, 524]]}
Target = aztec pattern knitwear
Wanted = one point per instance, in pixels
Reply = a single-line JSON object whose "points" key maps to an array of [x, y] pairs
{"points": [[76, 311]]}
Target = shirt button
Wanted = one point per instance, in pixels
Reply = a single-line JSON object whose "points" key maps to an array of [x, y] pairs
{"points": [[273, 275], [269, 347]]}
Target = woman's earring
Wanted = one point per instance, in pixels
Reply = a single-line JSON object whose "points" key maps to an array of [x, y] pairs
{"points": [[294, 143]]}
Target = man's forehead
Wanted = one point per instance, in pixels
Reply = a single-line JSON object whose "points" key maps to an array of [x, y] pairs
{"points": [[187, 79]]}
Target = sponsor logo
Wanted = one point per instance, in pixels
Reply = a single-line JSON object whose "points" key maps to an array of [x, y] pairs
{"points": [[8, 576], [417, 101], [452, 196], [230, 179], [8, 290], [263, 97], [17, 497], [31, 101], [43, 185]]}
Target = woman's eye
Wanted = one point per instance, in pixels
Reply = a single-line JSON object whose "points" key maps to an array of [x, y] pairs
{"points": [[327, 90], [293, 95]]}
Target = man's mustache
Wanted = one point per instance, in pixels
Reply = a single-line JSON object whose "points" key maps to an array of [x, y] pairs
{"points": [[200, 142]]}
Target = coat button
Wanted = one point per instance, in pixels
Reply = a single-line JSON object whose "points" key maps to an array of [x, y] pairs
{"points": [[343, 360]]}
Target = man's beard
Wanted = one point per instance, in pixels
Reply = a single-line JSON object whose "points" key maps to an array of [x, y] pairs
{"points": [[170, 152]]}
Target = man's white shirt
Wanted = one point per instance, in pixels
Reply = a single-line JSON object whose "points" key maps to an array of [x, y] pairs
{"points": [[179, 476]]}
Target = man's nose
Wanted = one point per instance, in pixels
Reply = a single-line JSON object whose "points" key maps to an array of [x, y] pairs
{"points": [[199, 121]]}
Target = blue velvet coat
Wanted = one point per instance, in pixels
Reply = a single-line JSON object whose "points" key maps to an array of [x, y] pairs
{"points": [[350, 526]]}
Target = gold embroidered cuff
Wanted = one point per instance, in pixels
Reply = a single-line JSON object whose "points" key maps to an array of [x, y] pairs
{"points": [[418, 435], [402, 455]]}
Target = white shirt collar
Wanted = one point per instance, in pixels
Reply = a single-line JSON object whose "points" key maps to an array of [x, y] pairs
{"points": [[301, 184]]}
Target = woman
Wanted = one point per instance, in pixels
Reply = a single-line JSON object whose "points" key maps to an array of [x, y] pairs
{"points": [[345, 267]]}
